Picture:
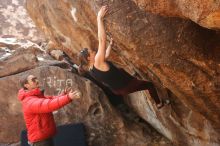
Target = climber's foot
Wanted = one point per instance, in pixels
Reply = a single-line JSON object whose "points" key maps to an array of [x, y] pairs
{"points": [[162, 103], [166, 101], [159, 105]]}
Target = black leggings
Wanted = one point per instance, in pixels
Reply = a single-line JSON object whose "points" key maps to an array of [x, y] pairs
{"points": [[138, 85], [47, 142]]}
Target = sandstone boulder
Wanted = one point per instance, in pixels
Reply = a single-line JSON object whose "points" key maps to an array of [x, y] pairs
{"points": [[204, 12], [173, 52], [104, 125]]}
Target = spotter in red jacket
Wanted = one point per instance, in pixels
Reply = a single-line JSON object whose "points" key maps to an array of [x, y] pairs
{"points": [[38, 116]]}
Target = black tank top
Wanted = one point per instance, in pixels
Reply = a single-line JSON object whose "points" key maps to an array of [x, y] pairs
{"points": [[114, 78]]}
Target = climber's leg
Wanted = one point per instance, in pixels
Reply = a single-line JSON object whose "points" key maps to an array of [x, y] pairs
{"points": [[146, 85], [138, 85]]}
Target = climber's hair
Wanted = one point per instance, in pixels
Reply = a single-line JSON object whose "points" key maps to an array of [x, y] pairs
{"points": [[83, 61], [24, 80]]}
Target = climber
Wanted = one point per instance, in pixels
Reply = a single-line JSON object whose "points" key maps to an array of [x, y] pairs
{"points": [[118, 80], [37, 110]]}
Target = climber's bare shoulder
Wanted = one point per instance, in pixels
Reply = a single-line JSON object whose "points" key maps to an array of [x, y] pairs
{"points": [[101, 65]]}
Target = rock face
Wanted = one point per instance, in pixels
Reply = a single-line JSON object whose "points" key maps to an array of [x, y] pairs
{"points": [[16, 22], [20, 56], [204, 12], [104, 125], [175, 53]]}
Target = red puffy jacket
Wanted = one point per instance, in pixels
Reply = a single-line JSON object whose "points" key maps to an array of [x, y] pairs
{"points": [[38, 115]]}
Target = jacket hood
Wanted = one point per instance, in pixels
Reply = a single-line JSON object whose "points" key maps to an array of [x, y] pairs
{"points": [[22, 94]]}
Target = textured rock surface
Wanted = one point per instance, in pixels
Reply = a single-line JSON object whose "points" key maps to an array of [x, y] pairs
{"points": [[204, 12], [104, 125], [177, 53], [16, 22], [20, 56]]}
